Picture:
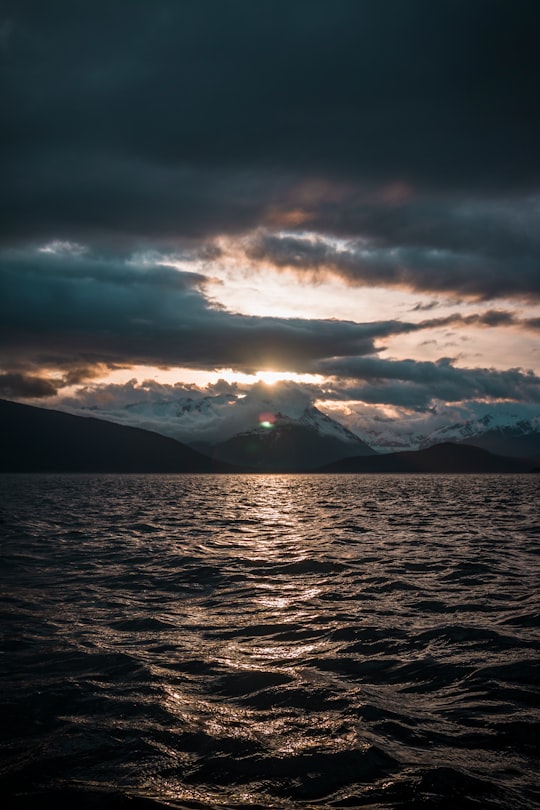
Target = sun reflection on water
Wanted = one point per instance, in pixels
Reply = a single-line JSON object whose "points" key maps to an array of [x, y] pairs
{"points": [[261, 654]]}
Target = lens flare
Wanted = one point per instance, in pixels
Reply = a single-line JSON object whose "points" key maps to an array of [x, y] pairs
{"points": [[267, 419]]}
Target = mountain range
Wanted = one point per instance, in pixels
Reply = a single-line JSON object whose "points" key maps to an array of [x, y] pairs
{"points": [[42, 440], [217, 424], [501, 431]]}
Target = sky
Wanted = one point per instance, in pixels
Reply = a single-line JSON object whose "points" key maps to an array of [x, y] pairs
{"points": [[340, 199]]}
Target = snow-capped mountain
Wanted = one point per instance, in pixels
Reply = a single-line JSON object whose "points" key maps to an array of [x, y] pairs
{"points": [[318, 421], [503, 431], [287, 429], [285, 443], [206, 419], [520, 438]]}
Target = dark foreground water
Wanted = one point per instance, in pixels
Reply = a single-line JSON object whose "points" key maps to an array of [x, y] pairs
{"points": [[272, 641]]}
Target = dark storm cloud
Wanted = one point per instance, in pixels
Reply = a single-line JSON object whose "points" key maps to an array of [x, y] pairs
{"points": [[489, 318], [126, 201], [25, 385], [498, 227], [493, 317], [413, 384], [483, 257], [73, 311], [145, 121]]}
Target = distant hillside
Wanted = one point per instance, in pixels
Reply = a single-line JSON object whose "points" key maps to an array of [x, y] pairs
{"points": [[507, 442], [41, 440], [442, 458]]}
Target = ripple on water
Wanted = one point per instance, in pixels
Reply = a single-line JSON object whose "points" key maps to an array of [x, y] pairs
{"points": [[276, 641]]}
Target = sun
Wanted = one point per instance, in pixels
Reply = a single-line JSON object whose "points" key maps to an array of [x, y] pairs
{"points": [[270, 377]]}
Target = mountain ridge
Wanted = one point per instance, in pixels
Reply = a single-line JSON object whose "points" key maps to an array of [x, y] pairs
{"points": [[41, 440], [203, 420], [447, 457]]}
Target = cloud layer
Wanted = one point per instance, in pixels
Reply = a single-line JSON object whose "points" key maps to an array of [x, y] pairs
{"points": [[139, 120], [75, 309], [486, 253], [384, 145], [77, 313]]}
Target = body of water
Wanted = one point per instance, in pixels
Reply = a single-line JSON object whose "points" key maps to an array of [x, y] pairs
{"points": [[270, 641]]}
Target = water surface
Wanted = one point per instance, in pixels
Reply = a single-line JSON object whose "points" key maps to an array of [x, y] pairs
{"points": [[270, 641]]}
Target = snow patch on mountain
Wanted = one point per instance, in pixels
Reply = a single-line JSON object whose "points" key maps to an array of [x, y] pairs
{"points": [[490, 422], [208, 416], [315, 419], [462, 423], [199, 419]]}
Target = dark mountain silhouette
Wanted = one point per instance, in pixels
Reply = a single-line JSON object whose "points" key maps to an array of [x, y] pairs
{"points": [[445, 458], [40, 440], [507, 442], [289, 445]]}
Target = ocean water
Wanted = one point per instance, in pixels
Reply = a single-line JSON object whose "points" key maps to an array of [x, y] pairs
{"points": [[270, 641]]}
